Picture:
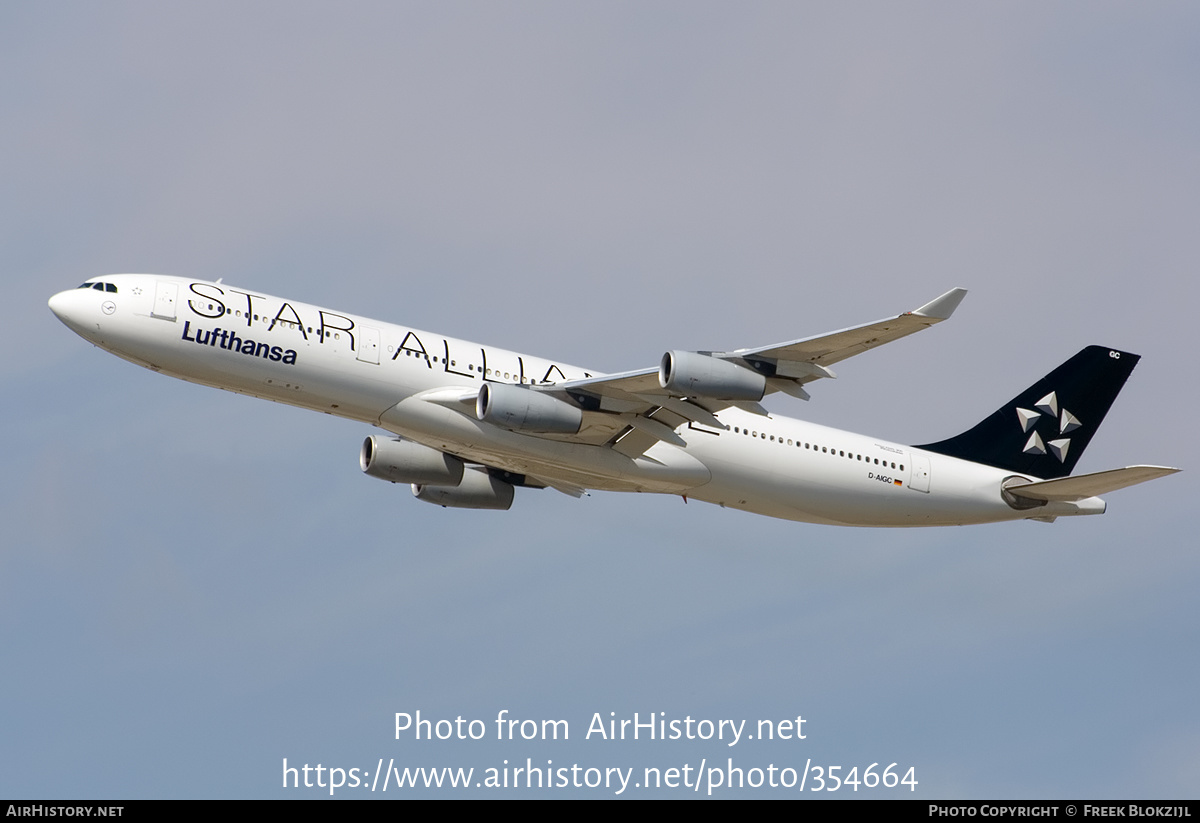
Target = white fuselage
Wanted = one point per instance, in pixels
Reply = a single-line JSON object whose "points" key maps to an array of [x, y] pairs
{"points": [[396, 378]]}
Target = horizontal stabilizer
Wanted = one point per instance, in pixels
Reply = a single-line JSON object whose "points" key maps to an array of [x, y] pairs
{"points": [[1083, 486]]}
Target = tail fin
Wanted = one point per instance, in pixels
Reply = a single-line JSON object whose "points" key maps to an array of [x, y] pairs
{"points": [[1044, 429]]}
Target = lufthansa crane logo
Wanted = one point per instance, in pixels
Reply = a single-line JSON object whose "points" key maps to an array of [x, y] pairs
{"points": [[1057, 423]]}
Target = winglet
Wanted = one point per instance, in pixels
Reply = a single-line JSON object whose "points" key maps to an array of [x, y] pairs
{"points": [[942, 307]]}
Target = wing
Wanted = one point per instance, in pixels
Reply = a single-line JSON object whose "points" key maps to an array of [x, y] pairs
{"points": [[827, 349], [692, 386]]}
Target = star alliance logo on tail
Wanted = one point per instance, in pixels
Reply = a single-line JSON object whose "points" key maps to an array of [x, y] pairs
{"points": [[1062, 421]]}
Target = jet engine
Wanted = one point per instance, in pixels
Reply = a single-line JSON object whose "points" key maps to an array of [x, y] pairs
{"points": [[692, 373], [403, 461], [477, 490], [525, 410]]}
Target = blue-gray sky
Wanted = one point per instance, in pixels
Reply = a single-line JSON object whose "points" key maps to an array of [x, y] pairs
{"points": [[195, 585]]}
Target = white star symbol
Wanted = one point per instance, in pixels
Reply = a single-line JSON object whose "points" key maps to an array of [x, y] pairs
{"points": [[1067, 422]]}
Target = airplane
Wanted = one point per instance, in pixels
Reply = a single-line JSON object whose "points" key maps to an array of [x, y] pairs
{"points": [[467, 423]]}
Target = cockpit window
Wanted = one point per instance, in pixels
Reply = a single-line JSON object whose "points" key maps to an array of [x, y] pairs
{"points": [[104, 287]]}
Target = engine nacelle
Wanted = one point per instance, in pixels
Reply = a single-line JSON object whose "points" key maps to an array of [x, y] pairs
{"points": [[403, 461], [691, 373], [525, 410], [477, 490]]}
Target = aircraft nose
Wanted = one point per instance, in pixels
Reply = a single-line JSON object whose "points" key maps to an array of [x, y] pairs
{"points": [[58, 305], [71, 307]]}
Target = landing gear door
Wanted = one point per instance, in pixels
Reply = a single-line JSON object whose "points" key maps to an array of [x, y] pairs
{"points": [[918, 479], [368, 344], [166, 294]]}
